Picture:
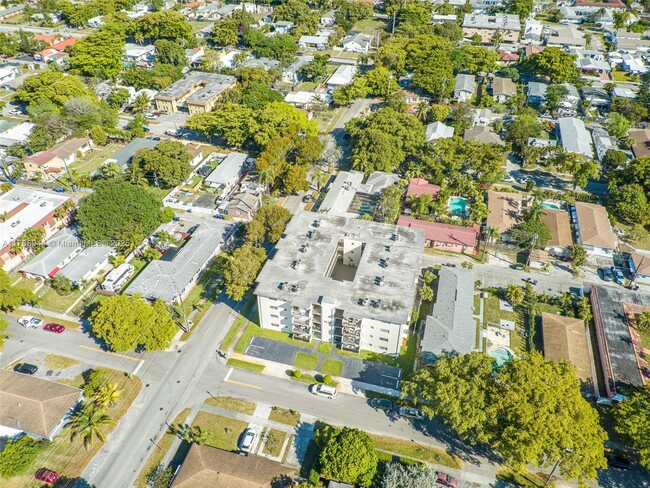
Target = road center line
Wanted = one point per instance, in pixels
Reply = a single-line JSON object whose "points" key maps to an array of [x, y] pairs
{"points": [[245, 384], [110, 353]]}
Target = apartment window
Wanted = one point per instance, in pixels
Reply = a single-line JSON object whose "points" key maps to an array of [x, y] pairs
{"points": [[385, 331], [383, 348], [372, 337], [275, 316], [383, 339]]}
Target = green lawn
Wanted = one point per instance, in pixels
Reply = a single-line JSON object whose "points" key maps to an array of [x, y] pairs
{"points": [[254, 330], [325, 347], [624, 76], [231, 403], [239, 363], [414, 450], [94, 159], [273, 442], [236, 325], [492, 311], [27, 284], [49, 299], [407, 355], [284, 416], [305, 362], [645, 338], [223, 432], [54, 361], [527, 480], [369, 26], [331, 367]]}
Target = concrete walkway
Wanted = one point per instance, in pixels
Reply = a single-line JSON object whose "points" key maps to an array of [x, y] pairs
{"points": [[48, 313]]}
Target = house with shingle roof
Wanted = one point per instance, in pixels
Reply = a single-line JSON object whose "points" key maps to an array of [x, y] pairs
{"points": [[503, 89], [559, 224], [504, 211], [33, 406], [593, 229]]}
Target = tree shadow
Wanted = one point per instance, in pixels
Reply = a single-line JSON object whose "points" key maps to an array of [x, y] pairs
{"points": [[71, 482]]}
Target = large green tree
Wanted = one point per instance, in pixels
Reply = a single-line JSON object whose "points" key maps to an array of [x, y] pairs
{"points": [[126, 322], [171, 53], [633, 421], [268, 224], [398, 475], [166, 24], [630, 204], [349, 456], [553, 63], [241, 269], [522, 8], [166, 165], [98, 55], [521, 129], [18, 455], [118, 213], [234, 123], [52, 86], [11, 297]]}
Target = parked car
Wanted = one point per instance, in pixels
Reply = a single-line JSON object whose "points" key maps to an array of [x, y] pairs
{"points": [[323, 390], [247, 440], [46, 475], [56, 328], [517, 266], [306, 198], [618, 462], [619, 277], [508, 179], [444, 479], [606, 274], [381, 404], [410, 413], [30, 322], [26, 368]]}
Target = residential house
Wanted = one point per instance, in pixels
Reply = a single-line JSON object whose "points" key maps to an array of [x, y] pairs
{"points": [[633, 64], [313, 42], [291, 74], [69, 150], [504, 212], [344, 75], [537, 92], [209, 467], [533, 31], [570, 15], [419, 186], [597, 97], [171, 277], [624, 92], [486, 5], [639, 266], [438, 130], [264, 63], [630, 42], [590, 7], [503, 89], [12, 11], [328, 19], [8, 73], [465, 87], [33, 406], [194, 55], [603, 142], [546, 146], [591, 61], [572, 99], [87, 264], [47, 39], [227, 174], [504, 26], [228, 59], [42, 164], [243, 206], [356, 42], [124, 155], [454, 238], [566, 37], [574, 137], [566, 339], [443, 19], [59, 251], [377, 182], [50, 53], [307, 99], [283, 27], [559, 225], [593, 230], [139, 54], [341, 192], [198, 91], [621, 354], [96, 22], [451, 328], [507, 58], [485, 116], [118, 277], [483, 134], [342, 280], [641, 146], [12, 133]]}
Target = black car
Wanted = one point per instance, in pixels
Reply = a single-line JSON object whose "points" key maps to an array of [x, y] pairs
{"points": [[381, 404], [619, 462], [25, 368]]}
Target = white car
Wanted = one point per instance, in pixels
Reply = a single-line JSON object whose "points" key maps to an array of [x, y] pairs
{"points": [[247, 440], [323, 390], [30, 322], [508, 179]]}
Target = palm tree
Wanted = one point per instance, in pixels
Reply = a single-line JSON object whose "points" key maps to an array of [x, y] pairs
{"points": [[139, 38], [423, 112], [88, 423], [107, 395], [514, 294], [320, 178], [643, 321], [141, 103]]}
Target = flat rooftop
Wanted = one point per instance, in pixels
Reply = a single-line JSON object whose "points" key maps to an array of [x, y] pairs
{"points": [[25, 208], [205, 86], [381, 285]]}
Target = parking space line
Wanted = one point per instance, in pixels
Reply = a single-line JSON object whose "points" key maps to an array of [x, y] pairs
{"points": [[228, 374], [123, 356], [240, 383]]}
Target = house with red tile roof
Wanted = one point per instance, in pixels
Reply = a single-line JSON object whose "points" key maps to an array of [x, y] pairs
{"points": [[48, 39], [51, 52], [446, 237], [420, 186], [44, 163]]}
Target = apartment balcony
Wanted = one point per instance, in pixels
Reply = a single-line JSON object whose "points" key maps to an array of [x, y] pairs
{"points": [[301, 320], [301, 329], [351, 341], [300, 312], [350, 347], [353, 331], [301, 337]]}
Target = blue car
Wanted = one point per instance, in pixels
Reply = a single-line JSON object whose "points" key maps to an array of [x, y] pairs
{"points": [[619, 277]]}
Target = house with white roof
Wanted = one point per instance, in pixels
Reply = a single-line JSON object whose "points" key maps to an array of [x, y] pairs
{"points": [[603, 142], [344, 75], [438, 130], [313, 42], [306, 99], [465, 87], [574, 136], [533, 31], [226, 175], [356, 43], [138, 53], [633, 64], [8, 73]]}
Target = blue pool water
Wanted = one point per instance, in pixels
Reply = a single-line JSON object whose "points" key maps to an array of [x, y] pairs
{"points": [[457, 205], [551, 205], [501, 355]]}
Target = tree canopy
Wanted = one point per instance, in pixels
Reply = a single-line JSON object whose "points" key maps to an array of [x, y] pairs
{"points": [[348, 455], [553, 63], [166, 165], [11, 297], [633, 421], [268, 224], [98, 54], [241, 268], [51, 86], [126, 322], [531, 410], [118, 213]]}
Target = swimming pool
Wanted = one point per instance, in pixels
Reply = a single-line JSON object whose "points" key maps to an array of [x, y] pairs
{"points": [[551, 205], [458, 205], [501, 355]]}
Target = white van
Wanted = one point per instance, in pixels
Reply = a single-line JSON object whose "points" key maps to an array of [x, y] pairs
{"points": [[323, 390]]}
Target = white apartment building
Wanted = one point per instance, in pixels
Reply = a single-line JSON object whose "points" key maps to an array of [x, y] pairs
{"points": [[342, 280]]}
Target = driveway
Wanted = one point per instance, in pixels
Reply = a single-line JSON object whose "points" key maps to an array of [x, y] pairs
{"points": [[354, 369]]}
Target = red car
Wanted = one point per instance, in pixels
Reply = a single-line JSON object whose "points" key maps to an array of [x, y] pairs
{"points": [[56, 328], [446, 480], [46, 475]]}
